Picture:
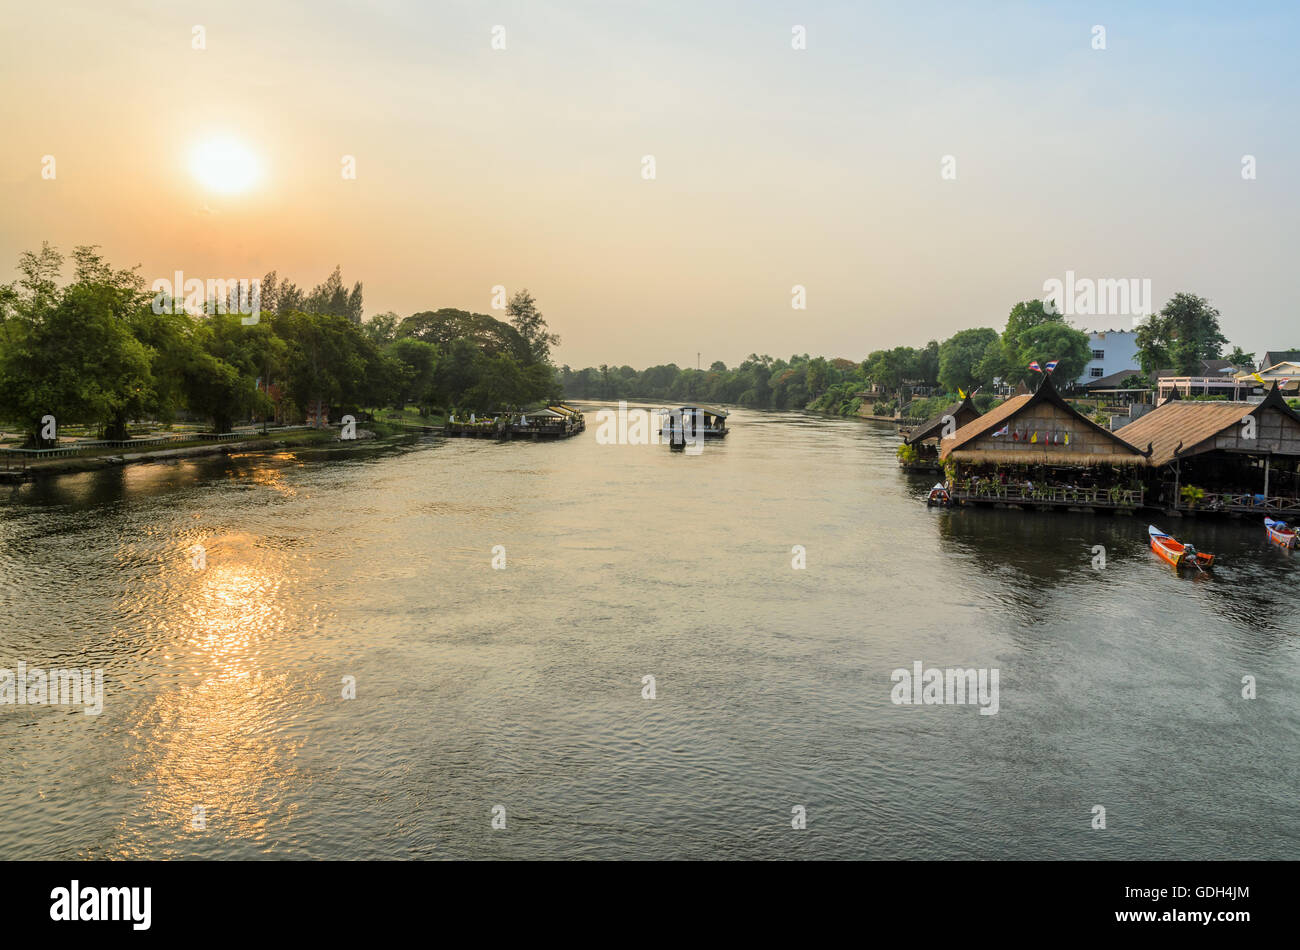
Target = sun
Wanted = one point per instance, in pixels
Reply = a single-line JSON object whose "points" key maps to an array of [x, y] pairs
{"points": [[224, 165]]}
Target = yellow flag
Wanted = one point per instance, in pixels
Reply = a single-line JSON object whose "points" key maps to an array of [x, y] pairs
{"points": [[1035, 438], [960, 393], [1259, 377]]}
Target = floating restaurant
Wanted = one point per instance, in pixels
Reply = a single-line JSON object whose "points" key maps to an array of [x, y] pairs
{"points": [[558, 421], [1223, 456], [1036, 450]]}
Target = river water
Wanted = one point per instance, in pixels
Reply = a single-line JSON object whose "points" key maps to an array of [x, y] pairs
{"points": [[483, 692]]}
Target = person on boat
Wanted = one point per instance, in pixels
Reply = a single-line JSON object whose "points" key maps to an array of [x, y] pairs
{"points": [[1189, 551]]}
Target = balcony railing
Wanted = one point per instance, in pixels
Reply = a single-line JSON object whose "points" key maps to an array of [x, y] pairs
{"points": [[1050, 495], [1235, 501]]}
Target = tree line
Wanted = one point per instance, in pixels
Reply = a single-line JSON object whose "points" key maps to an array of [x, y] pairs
{"points": [[100, 351], [1185, 331]]}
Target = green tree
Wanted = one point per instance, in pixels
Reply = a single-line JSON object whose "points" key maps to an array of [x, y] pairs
{"points": [[80, 364], [1058, 341], [1033, 332], [1184, 332], [1239, 357], [961, 355], [531, 325]]}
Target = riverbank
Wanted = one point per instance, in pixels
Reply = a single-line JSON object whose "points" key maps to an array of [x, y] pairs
{"points": [[270, 443]]}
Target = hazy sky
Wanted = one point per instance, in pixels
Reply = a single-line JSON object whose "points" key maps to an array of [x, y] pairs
{"points": [[774, 166]]}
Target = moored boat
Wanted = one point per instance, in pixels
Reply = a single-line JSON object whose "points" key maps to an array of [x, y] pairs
{"points": [[1177, 553], [1279, 532], [939, 496]]}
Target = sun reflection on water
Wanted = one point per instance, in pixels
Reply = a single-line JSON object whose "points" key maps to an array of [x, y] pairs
{"points": [[214, 756]]}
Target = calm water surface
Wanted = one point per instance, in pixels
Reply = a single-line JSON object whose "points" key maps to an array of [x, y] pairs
{"points": [[522, 687]]}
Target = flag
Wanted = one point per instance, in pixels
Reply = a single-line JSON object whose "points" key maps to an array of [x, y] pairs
{"points": [[1035, 367], [1067, 438], [1052, 365], [1257, 376], [1002, 431], [1035, 436], [960, 394], [1015, 436]]}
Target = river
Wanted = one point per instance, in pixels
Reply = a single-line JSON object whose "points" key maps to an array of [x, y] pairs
{"points": [[517, 693]]}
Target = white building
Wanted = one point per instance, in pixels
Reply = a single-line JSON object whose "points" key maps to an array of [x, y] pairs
{"points": [[1112, 351]]}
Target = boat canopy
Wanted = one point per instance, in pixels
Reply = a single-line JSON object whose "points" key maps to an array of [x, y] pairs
{"points": [[707, 410]]}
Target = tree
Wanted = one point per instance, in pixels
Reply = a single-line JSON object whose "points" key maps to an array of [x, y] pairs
{"points": [[419, 360], [382, 328], [1024, 316], [444, 327], [80, 364], [959, 357], [889, 369], [1239, 357], [1070, 348], [334, 299], [1034, 333], [531, 325], [1184, 332], [326, 360], [927, 364]]}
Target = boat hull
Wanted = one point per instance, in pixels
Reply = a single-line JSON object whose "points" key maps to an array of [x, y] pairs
{"points": [[1174, 552], [1282, 536], [710, 435]]}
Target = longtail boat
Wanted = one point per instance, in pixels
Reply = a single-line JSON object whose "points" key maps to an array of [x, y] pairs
{"points": [[1280, 533], [1177, 553], [938, 496]]}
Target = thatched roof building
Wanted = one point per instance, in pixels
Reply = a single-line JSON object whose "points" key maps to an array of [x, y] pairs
{"points": [[1039, 428], [1181, 428], [959, 412]]}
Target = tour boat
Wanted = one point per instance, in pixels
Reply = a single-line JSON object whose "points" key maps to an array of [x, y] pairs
{"points": [[1280, 533], [690, 423], [1176, 553], [938, 496]]}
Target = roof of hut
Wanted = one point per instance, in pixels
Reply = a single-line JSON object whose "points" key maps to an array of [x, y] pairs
{"points": [[961, 412], [1125, 452], [1179, 427]]}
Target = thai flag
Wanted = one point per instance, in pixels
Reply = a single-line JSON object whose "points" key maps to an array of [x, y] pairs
{"points": [[1035, 367], [1052, 365], [1003, 431]]}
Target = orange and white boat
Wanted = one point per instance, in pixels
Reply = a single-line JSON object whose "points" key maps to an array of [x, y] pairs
{"points": [[1177, 553], [1280, 533]]}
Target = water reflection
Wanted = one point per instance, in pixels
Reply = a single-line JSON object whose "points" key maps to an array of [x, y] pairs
{"points": [[214, 755]]}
